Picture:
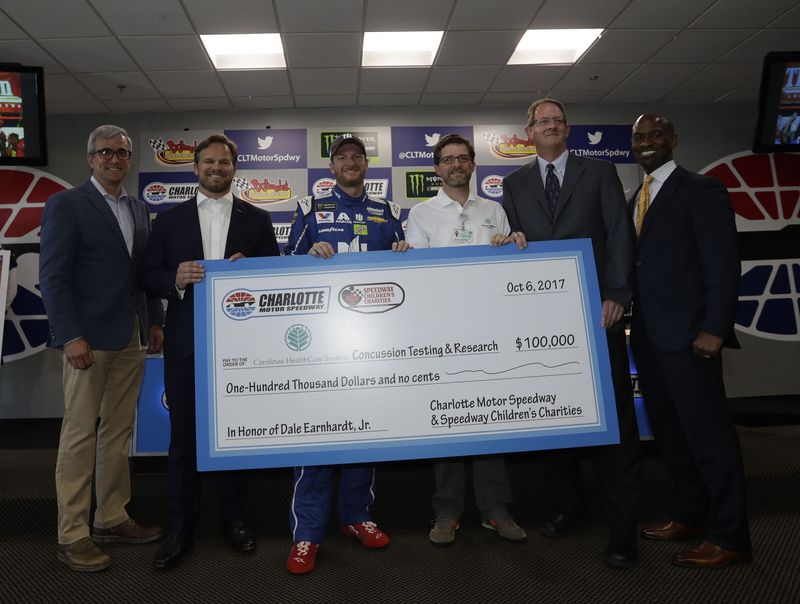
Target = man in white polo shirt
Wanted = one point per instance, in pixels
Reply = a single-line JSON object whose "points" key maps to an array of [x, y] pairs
{"points": [[457, 217]]}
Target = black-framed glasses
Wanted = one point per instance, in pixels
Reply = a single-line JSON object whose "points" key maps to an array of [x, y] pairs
{"points": [[451, 159], [107, 153]]}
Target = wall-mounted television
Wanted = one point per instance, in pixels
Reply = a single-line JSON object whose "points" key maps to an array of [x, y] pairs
{"points": [[23, 140], [778, 128]]}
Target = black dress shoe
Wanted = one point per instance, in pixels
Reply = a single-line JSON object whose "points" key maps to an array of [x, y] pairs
{"points": [[621, 552], [241, 538], [171, 551], [560, 525]]}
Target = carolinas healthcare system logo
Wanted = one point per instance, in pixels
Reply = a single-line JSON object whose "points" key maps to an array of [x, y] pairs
{"points": [[239, 304], [492, 186], [297, 337], [172, 153], [371, 297]]}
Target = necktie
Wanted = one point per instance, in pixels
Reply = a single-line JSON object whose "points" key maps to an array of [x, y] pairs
{"points": [[642, 203], [552, 188]]}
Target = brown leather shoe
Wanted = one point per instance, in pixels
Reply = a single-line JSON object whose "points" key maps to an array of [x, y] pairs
{"points": [[670, 531], [83, 556], [128, 532], [709, 555]]}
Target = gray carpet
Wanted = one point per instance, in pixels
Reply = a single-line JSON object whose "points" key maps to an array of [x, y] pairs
{"points": [[477, 568]]}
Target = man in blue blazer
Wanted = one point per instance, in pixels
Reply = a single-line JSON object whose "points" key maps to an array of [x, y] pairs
{"points": [[93, 239], [561, 196], [212, 225], [687, 276]]}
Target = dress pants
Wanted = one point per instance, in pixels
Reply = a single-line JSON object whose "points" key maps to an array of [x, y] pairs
{"points": [[490, 484], [617, 469], [183, 479], [107, 390], [312, 494], [685, 399]]}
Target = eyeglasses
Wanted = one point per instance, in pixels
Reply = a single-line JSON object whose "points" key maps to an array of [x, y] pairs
{"points": [[107, 153], [451, 159], [546, 121]]}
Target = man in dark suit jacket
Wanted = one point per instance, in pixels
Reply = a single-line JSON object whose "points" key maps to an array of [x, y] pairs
{"points": [[687, 275], [212, 225], [93, 240], [580, 197]]}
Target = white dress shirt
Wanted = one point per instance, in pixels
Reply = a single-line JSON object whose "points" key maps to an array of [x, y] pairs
{"points": [[559, 165], [215, 218], [443, 222]]}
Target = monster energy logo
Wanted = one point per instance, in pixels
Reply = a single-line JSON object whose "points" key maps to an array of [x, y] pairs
{"points": [[422, 184], [370, 140]]}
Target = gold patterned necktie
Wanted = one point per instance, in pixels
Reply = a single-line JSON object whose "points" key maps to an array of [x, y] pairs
{"points": [[642, 203]]}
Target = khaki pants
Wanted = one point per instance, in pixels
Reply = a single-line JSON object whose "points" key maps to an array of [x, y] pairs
{"points": [[108, 390]]}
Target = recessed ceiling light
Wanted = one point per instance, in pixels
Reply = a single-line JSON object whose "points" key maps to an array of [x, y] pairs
{"points": [[400, 48], [539, 46], [245, 51]]}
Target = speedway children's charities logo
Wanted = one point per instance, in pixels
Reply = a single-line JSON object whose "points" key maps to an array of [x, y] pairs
{"points": [[370, 298]]}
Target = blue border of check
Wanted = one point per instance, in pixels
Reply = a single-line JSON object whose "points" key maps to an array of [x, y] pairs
{"points": [[210, 459]]}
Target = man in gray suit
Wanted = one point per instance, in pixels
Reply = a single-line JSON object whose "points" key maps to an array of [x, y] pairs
{"points": [[93, 239], [562, 196]]}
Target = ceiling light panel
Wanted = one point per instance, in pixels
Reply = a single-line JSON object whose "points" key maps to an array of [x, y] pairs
{"points": [[553, 46], [245, 51], [400, 48]]}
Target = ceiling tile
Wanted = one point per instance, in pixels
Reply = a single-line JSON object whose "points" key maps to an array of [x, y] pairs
{"points": [[380, 81], [388, 100], [504, 14], [408, 15], [663, 76], [754, 50], [151, 17], [742, 13], [528, 78], [65, 87], [595, 77], [262, 102], [155, 53], [511, 98], [61, 19], [635, 96], [789, 20], [699, 46], [327, 100], [652, 13], [692, 96], [722, 76], [138, 105], [9, 31], [320, 15], [28, 52], [461, 79], [76, 106], [452, 99], [258, 82], [578, 96], [740, 96], [105, 86], [199, 104], [239, 17], [477, 47], [560, 14], [90, 55], [627, 45], [333, 81], [323, 50], [183, 84]]}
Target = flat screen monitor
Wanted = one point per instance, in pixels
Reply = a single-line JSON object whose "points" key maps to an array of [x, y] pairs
{"points": [[23, 139], [778, 128]]}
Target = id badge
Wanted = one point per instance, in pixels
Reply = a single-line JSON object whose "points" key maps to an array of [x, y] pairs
{"points": [[463, 235]]}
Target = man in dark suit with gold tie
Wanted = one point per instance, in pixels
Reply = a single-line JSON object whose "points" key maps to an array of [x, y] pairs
{"points": [[687, 275]]}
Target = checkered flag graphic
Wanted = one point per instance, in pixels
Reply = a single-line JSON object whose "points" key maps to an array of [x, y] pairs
{"points": [[158, 145], [240, 183], [492, 138]]}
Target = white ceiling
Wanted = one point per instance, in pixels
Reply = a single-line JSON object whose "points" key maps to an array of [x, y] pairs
{"points": [[146, 55]]}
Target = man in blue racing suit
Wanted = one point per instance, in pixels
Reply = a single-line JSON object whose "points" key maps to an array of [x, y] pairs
{"points": [[345, 220]]}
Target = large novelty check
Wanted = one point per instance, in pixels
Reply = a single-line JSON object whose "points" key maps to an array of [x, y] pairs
{"points": [[382, 356]]}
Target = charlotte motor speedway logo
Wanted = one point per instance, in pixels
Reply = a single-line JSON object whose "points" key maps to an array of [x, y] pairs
{"points": [[241, 304]]}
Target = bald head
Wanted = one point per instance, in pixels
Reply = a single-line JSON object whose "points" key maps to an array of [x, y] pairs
{"points": [[653, 140]]}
